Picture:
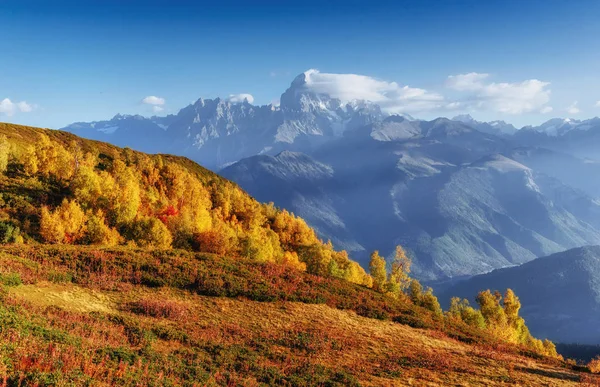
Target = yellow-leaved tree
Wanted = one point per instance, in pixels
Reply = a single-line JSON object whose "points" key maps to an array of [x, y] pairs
{"points": [[378, 271], [99, 233], [5, 151], [66, 224], [399, 279], [462, 311]]}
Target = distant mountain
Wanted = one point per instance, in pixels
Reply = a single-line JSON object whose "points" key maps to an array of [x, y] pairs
{"points": [[217, 132], [492, 127], [576, 172], [298, 182], [464, 196], [556, 126], [560, 293], [440, 188], [132, 131], [575, 137]]}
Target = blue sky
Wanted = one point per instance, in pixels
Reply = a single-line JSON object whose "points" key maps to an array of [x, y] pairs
{"points": [[66, 61]]}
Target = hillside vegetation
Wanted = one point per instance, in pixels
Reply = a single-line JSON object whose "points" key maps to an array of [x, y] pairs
{"points": [[119, 267], [64, 190], [73, 315]]}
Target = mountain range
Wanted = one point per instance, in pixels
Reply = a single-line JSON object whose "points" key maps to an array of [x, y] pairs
{"points": [[463, 196]]}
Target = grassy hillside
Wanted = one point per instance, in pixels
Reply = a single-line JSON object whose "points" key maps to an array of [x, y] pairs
{"points": [[60, 189], [121, 268], [119, 316]]}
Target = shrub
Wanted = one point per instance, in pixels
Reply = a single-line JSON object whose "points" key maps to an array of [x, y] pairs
{"points": [[9, 233], [12, 279], [594, 365], [157, 308]]}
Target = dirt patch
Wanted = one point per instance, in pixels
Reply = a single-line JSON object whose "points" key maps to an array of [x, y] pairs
{"points": [[69, 297]]}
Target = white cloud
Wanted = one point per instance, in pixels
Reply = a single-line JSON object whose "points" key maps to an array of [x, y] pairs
{"points": [[573, 109], [154, 100], [9, 108], [597, 103], [235, 98], [546, 109], [157, 109], [390, 96], [466, 82], [511, 98]]}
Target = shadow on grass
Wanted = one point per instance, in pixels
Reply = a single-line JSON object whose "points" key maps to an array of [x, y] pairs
{"points": [[550, 374]]}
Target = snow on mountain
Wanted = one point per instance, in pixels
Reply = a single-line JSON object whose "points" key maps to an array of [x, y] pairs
{"points": [[580, 138], [217, 132], [556, 126], [133, 131]]}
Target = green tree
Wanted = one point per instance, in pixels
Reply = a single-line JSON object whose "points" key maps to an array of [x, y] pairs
{"points": [[425, 299], [415, 291]]}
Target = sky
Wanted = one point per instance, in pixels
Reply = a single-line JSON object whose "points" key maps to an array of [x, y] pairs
{"points": [[519, 61]]}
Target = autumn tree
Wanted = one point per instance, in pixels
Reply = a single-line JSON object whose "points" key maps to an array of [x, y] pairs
{"points": [[461, 310], [594, 365], [5, 150], [53, 159], [30, 161], [399, 279], [220, 240], [67, 224], [87, 186], [378, 271], [425, 299], [150, 232], [512, 305], [99, 233], [126, 198]]}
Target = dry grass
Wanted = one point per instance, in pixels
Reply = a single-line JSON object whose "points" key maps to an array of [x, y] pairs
{"points": [[69, 297], [292, 335], [97, 324]]}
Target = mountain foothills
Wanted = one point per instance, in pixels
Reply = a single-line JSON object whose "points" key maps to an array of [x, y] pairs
{"points": [[462, 196], [119, 267]]}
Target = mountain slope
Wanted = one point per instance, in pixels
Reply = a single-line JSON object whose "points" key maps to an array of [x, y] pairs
{"points": [[303, 185], [560, 293], [578, 138], [83, 316], [440, 188], [60, 189]]}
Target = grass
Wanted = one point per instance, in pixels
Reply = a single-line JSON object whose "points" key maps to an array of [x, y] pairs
{"points": [[85, 316]]}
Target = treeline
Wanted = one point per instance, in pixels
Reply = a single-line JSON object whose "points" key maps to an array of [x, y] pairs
{"points": [[65, 193], [497, 315]]}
